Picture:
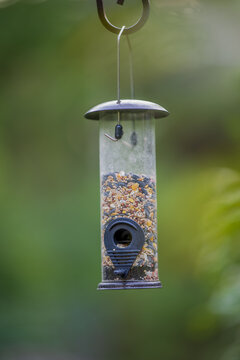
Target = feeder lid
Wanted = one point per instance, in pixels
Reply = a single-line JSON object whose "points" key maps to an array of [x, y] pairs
{"points": [[130, 106]]}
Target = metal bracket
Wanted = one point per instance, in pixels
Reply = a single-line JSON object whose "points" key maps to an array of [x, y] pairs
{"points": [[128, 30]]}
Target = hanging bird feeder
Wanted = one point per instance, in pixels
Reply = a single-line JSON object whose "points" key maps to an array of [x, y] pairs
{"points": [[128, 181]]}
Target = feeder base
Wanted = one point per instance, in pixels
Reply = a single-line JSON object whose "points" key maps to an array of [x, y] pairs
{"points": [[126, 285]]}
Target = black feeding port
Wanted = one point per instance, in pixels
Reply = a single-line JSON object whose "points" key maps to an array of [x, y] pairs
{"points": [[123, 240]]}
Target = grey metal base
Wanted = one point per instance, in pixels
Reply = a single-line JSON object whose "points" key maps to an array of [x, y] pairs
{"points": [[126, 285]]}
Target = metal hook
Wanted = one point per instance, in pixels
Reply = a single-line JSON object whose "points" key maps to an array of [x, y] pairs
{"points": [[129, 30]]}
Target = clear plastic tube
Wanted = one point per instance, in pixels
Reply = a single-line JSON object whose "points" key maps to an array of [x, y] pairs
{"points": [[128, 191]]}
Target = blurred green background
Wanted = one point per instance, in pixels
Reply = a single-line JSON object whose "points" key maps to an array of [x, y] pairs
{"points": [[56, 61]]}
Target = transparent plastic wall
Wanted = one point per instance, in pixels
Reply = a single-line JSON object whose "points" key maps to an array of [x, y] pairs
{"points": [[128, 190]]}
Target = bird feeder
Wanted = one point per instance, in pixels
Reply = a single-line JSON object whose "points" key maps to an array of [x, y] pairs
{"points": [[128, 192]]}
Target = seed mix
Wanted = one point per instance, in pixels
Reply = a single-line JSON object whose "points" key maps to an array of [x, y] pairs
{"points": [[132, 196]]}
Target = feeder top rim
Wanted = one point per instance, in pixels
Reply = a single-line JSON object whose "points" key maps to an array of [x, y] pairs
{"points": [[128, 106]]}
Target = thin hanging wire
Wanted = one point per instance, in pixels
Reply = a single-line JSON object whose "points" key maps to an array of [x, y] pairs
{"points": [[134, 135], [118, 81], [131, 68], [118, 63], [130, 65]]}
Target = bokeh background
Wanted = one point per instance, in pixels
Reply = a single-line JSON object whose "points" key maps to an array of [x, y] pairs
{"points": [[57, 61]]}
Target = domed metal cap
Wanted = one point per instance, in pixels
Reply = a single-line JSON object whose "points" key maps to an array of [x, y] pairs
{"points": [[127, 106]]}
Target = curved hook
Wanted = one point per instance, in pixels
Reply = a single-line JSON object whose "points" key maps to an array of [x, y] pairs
{"points": [[128, 30]]}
